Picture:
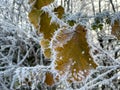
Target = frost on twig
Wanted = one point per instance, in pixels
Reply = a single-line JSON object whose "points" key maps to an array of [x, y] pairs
{"points": [[18, 46], [22, 64]]}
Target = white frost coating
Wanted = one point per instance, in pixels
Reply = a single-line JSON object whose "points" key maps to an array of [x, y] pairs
{"points": [[32, 74], [80, 75], [54, 18], [61, 57], [73, 63], [85, 70], [90, 41], [115, 17], [83, 52], [74, 70], [31, 4], [15, 39], [81, 72], [55, 43], [102, 54], [94, 37], [61, 37]]}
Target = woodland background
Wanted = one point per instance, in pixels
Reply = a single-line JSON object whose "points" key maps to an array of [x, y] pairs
{"points": [[30, 56]]}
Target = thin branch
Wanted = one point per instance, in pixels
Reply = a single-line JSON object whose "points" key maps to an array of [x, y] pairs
{"points": [[93, 7], [100, 6], [112, 5]]}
